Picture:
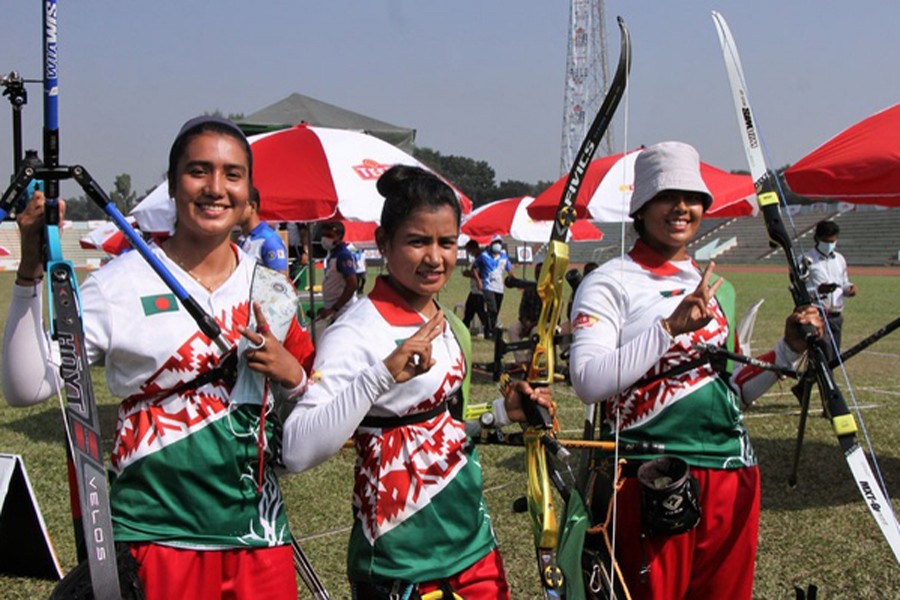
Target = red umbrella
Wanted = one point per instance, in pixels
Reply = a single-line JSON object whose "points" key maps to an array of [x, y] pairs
{"points": [[307, 174], [859, 165], [606, 192], [510, 217], [360, 232]]}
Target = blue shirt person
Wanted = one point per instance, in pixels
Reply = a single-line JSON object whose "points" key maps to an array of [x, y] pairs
{"points": [[261, 241], [492, 266]]}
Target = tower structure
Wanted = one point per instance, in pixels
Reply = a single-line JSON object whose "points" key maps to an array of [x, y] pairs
{"points": [[587, 77]]}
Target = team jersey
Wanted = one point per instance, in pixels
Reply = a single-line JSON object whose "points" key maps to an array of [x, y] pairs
{"points": [[338, 265], [267, 247], [619, 344], [493, 270], [419, 513], [185, 462]]}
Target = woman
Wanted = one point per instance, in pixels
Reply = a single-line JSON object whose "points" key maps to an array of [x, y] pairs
{"points": [[193, 491], [384, 375], [637, 317]]}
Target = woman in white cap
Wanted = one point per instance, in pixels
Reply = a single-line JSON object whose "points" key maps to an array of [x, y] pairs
{"points": [[636, 321]]}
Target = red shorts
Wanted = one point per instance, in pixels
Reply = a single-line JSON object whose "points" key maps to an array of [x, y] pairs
{"points": [[484, 580], [714, 560], [169, 573]]}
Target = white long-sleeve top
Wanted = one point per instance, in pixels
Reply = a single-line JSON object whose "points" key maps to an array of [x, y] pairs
{"points": [[350, 381], [618, 340], [186, 458], [412, 480]]}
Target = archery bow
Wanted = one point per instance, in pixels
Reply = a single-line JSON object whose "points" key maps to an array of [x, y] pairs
{"points": [[540, 433], [842, 421], [89, 490]]}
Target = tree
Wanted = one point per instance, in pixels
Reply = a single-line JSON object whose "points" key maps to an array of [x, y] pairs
{"points": [[475, 178], [235, 117], [83, 209], [122, 195], [513, 189]]}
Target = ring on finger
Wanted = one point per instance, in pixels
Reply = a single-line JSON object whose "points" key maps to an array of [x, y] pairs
{"points": [[253, 346]]}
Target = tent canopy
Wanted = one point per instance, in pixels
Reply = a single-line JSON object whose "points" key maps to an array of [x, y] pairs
{"points": [[297, 108]]}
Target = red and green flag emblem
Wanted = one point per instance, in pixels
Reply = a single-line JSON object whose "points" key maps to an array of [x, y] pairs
{"points": [[159, 303]]}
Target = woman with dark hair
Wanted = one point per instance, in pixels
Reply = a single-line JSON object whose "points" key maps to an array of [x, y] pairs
{"points": [[193, 491], [386, 375], [638, 322]]}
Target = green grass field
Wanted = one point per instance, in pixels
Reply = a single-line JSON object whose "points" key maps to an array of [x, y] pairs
{"points": [[818, 533]]}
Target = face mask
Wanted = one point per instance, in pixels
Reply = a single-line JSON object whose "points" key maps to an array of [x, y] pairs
{"points": [[496, 247], [827, 247], [328, 243]]}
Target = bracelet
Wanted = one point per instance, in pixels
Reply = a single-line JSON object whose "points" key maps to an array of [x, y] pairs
{"points": [[667, 328], [29, 280]]}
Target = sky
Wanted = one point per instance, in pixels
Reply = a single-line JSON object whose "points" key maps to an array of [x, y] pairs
{"points": [[477, 78]]}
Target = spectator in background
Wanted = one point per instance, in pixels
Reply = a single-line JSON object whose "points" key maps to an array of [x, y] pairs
{"points": [[298, 236], [529, 310], [339, 285], [259, 240], [828, 281], [475, 299], [359, 261], [492, 265]]}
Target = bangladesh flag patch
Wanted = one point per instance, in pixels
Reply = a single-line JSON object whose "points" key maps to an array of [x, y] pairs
{"points": [[672, 293], [160, 303]]}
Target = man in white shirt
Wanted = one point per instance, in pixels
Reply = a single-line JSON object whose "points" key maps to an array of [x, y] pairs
{"points": [[828, 281]]}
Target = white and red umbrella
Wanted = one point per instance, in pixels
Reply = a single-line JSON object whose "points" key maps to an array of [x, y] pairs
{"points": [[4, 251], [510, 217], [605, 194], [107, 237], [860, 165], [307, 173]]}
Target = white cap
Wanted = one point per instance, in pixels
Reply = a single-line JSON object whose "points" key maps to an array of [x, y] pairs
{"points": [[666, 166]]}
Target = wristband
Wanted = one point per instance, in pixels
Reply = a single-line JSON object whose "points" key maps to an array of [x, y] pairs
{"points": [[22, 280]]}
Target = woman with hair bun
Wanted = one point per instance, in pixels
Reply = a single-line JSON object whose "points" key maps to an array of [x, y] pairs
{"points": [[386, 375]]}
